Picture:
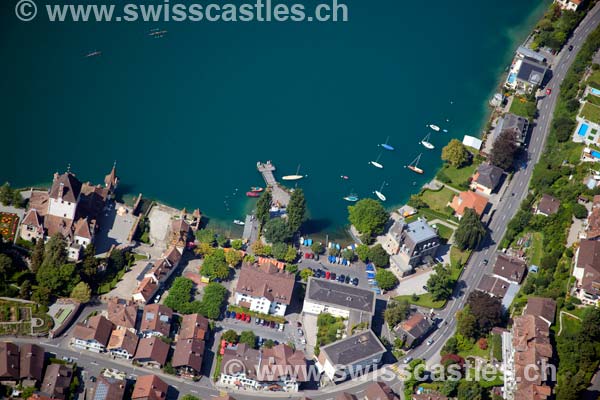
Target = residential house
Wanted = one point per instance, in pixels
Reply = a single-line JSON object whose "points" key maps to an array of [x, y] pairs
{"points": [[511, 269], [356, 354], [193, 326], [108, 389], [487, 178], [493, 286], [571, 5], [180, 234], [31, 364], [149, 387], [164, 267], [529, 351], [468, 199], [592, 226], [411, 244], [414, 329], [547, 206], [280, 367], [122, 313], [380, 391], [145, 291], [587, 272], [123, 343], [264, 289], [9, 363], [526, 73], [152, 352], [541, 307], [339, 300], [57, 381], [94, 335], [69, 208], [188, 356], [156, 320], [514, 124]]}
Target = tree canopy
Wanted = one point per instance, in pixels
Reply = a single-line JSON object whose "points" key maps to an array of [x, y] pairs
{"points": [[396, 312], [207, 236], [263, 207], [440, 283], [386, 279], [296, 210], [455, 153], [368, 216], [180, 298], [470, 231], [215, 265], [82, 292], [504, 150], [55, 253], [487, 311], [378, 256], [249, 338], [230, 336], [277, 230]]}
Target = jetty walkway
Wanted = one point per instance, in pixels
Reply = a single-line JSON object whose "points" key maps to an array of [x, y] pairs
{"points": [[281, 197]]}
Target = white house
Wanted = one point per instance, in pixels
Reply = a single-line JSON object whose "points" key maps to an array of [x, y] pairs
{"points": [[571, 5], [94, 335], [264, 289], [123, 343], [338, 299]]}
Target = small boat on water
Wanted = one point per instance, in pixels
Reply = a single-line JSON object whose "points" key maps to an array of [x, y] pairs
{"points": [[344, 177], [434, 127], [351, 198], [238, 222], [93, 54], [386, 145], [256, 189], [414, 166], [293, 177], [445, 130], [376, 163], [425, 142], [378, 193], [252, 194]]}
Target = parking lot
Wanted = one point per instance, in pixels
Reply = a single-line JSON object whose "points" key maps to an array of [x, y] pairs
{"points": [[289, 334], [356, 270]]}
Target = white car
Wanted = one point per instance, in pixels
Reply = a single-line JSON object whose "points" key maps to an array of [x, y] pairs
{"points": [[281, 327], [429, 342]]}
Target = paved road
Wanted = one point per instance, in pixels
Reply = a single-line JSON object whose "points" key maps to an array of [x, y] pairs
{"points": [[509, 203]]}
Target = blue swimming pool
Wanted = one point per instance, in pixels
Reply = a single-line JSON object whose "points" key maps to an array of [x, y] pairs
{"points": [[595, 91], [595, 153], [512, 77], [583, 128]]}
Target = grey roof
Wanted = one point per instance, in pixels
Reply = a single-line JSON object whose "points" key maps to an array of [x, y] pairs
{"points": [[340, 295], [354, 348], [416, 326], [514, 123], [525, 52], [532, 71], [420, 231], [489, 175]]}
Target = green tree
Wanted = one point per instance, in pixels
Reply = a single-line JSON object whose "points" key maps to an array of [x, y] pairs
{"points": [[207, 236], [263, 205], [233, 257], [41, 295], [362, 251], [189, 397], [25, 290], [386, 279], [230, 336], [260, 249], [504, 150], [215, 266], [348, 254], [317, 248], [579, 211], [291, 268], [455, 153], [249, 338], [37, 256], [466, 323], [82, 292], [61, 280], [277, 230], [470, 231], [296, 210], [290, 255], [305, 274], [222, 240], [279, 250], [6, 194], [487, 311], [396, 312], [450, 347], [378, 256], [470, 390], [440, 284], [55, 253], [5, 266], [237, 244], [269, 344], [90, 263], [368, 216]]}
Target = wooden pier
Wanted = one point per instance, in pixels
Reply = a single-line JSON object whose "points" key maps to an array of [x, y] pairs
{"points": [[281, 197]]}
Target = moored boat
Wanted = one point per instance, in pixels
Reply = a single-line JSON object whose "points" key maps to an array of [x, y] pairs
{"points": [[434, 127], [386, 145], [425, 142], [256, 189], [380, 195], [293, 177], [252, 194], [414, 166], [344, 177], [238, 222], [351, 198], [376, 163]]}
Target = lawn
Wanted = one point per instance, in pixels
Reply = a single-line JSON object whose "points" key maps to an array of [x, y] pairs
{"points": [[458, 257], [423, 300], [438, 200], [444, 231], [459, 176], [475, 351], [570, 326], [523, 108], [8, 226], [591, 113], [594, 80], [536, 249], [593, 99]]}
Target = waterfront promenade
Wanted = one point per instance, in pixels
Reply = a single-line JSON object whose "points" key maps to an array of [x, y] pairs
{"points": [[281, 196]]}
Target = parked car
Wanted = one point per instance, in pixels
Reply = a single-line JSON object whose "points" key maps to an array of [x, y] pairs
{"points": [[298, 324], [327, 275], [248, 318], [303, 341], [548, 92], [272, 324], [429, 342], [233, 315], [407, 360], [281, 327], [227, 314], [347, 280], [333, 275], [239, 315], [300, 332], [341, 278], [355, 281], [257, 321]]}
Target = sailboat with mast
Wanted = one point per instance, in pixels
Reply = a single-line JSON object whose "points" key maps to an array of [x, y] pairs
{"points": [[352, 197], [426, 143], [376, 163], [386, 145], [293, 177], [378, 193], [414, 165]]}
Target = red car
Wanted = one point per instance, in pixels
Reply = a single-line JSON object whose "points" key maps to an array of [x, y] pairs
{"points": [[548, 91], [327, 275], [248, 319], [238, 316]]}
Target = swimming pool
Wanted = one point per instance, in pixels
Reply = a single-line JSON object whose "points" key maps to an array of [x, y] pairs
{"points": [[595, 153], [583, 128], [513, 77], [595, 91]]}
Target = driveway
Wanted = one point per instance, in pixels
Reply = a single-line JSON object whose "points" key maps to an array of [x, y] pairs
{"points": [[114, 227], [414, 283], [129, 283]]}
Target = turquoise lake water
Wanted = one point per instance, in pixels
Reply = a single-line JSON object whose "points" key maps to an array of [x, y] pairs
{"points": [[188, 116]]}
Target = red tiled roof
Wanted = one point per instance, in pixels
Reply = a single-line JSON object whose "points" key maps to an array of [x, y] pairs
{"points": [[466, 200]]}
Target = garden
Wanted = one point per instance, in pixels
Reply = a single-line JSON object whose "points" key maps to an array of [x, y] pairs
{"points": [[8, 226]]}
